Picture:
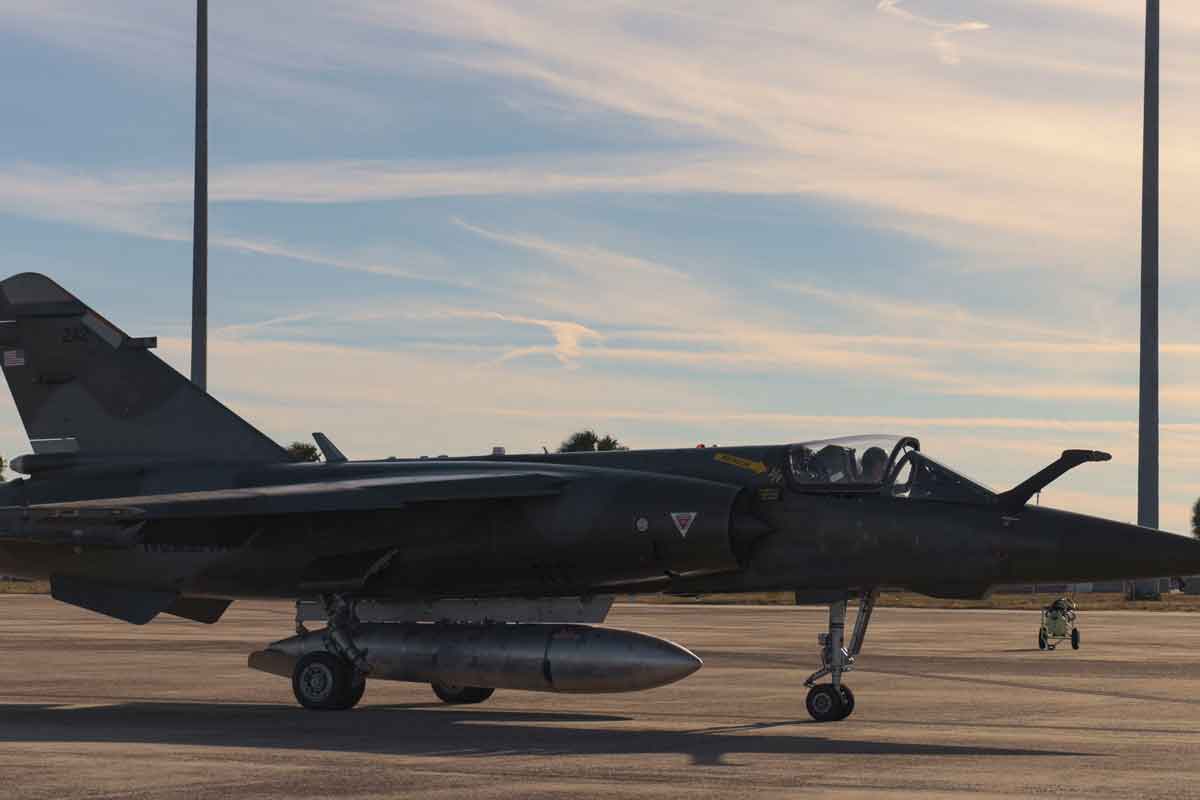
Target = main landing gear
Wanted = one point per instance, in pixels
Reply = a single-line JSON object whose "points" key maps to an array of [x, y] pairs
{"points": [[831, 702], [325, 682], [333, 679], [332, 673]]}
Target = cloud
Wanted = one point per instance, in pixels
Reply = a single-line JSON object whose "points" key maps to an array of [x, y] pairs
{"points": [[628, 291], [341, 262], [596, 302], [836, 102], [850, 115], [945, 47], [568, 336]]}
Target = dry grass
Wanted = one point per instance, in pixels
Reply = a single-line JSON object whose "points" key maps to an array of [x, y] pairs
{"points": [[1090, 601], [24, 587]]}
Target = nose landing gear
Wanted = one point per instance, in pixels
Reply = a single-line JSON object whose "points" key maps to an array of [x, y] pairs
{"points": [[833, 701]]}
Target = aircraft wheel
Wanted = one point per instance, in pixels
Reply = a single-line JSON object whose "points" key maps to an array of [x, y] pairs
{"points": [[1042, 640], [825, 704], [461, 695], [847, 701], [323, 682], [355, 689], [1075, 638]]}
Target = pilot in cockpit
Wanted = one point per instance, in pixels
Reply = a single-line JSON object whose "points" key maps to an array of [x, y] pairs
{"points": [[830, 464], [874, 462], [835, 463]]}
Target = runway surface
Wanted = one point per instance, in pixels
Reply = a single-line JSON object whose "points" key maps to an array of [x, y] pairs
{"points": [[950, 704]]}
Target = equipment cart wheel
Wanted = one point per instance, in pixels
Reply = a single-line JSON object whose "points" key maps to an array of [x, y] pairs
{"points": [[1075, 638], [461, 695], [825, 704], [323, 682]]}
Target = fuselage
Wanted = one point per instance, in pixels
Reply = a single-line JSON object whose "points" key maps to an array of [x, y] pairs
{"points": [[685, 521]]}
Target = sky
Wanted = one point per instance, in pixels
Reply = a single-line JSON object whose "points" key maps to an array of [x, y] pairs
{"points": [[439, 227]]}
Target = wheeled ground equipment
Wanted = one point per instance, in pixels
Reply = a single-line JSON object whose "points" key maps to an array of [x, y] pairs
{"points": [[1058, 624]]}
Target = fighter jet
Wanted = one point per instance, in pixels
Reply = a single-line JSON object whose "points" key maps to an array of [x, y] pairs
{"points": [[144, 495]]}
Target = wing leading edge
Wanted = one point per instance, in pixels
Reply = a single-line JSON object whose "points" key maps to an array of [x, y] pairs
{"points": [[359, 494]]}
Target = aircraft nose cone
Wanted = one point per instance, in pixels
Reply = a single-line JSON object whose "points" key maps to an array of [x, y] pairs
{"points": [[1099, 549], [610, 660]]}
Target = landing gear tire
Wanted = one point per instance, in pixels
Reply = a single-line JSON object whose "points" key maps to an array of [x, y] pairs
{"points": [[847, 701], [461, 695], [827, 704], [354, 693], [1075, 639], [323, 682], [1042, 640]]}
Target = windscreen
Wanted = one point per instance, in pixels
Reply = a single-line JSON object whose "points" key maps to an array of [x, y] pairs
{"points": [[918, 477]]}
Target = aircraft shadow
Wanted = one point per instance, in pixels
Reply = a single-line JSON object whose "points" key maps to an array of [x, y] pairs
{"points": [[422, 730]]}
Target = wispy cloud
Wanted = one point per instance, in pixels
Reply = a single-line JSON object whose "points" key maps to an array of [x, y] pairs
{"points": [[435, 273], [849, 115], [625, 290], [568, 336], [946, 48]]}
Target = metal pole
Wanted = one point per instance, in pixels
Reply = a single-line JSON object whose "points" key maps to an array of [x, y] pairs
{"points": [[1148, 371], [1148, 388], [200, 207]]}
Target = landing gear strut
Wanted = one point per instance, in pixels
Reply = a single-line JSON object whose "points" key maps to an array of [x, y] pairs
{"points": [[830, 702], [333, 679]]}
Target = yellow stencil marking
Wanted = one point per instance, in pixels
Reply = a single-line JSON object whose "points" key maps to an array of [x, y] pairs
{"points": [[757, 467]]}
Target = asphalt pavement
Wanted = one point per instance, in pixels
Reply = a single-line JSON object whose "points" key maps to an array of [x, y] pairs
{"points": [[949, 704]]}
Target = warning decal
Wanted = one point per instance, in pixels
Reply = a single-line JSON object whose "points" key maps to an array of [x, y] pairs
{"points": [[683, 521], [757, 467]]}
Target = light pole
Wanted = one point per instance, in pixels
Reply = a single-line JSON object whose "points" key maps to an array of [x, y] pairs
{"points": [[1148, 371], [200, 207]]}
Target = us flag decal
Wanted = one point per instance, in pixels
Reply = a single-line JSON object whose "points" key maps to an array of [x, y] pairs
{"points": [[14, 358]]}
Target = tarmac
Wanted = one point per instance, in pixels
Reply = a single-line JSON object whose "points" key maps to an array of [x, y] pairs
{"points": [[949, 704]]}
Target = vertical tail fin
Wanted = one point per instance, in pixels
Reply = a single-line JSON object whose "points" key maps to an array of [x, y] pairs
{"points": [[81, 384]]}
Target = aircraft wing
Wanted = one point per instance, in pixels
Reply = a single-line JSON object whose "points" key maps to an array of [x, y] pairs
{"points": [[358, 494], [118, 523]]}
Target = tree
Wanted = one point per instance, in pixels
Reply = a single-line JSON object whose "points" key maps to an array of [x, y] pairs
{"points": [[1196, 520], [588, 441], [607, 442], [303, 451]]}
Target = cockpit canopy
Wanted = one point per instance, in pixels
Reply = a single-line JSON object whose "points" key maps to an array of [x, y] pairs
{"points": [[847, 461], [878, 464]]}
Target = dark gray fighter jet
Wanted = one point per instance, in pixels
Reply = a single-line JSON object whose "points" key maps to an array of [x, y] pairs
{"points": [[144, 495]]}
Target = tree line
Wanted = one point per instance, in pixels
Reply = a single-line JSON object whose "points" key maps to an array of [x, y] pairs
{"points": [[585, 441]]}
